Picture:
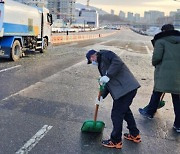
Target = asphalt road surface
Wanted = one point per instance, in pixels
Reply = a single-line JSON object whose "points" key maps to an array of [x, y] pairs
{"points": [[45, 98]]}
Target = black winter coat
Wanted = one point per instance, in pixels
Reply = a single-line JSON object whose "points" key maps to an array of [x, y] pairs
{"points": [[121, 81]]}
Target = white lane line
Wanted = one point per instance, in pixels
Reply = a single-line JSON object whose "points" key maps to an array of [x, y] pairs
{"points": [[6, 98], [29, 145], [7, 69], [45, 79], [121, 53], [149, 51]]}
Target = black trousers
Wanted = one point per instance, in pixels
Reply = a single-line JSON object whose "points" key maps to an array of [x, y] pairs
{"points": [[120, 112], [154, 101]]}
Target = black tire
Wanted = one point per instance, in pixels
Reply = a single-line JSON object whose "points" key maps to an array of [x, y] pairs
{"points": [[45, 46], [16, 51]]}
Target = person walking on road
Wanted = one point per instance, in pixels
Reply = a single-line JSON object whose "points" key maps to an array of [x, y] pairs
{"points": [[122, 86], [166, 60]]}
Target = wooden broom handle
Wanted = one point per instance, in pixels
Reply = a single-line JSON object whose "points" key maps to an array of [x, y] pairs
{"points": [[99, 95], [97, 107], [96, 112]]}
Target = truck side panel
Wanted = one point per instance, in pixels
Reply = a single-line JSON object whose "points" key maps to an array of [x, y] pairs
{"points": [[17, 29], [21, 19]]}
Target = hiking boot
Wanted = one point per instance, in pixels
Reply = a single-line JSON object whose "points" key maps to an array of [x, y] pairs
{"points": [[176, 129], [144, 113], [110, 144], [136, 139]]}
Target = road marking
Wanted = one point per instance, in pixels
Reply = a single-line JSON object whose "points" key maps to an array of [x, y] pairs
{"points": [[31, 86], [149, 51], [122, 51], [7, 69], [29, 145], [6, 98]]}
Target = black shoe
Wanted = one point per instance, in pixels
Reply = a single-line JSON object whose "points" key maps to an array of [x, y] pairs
{"points": [[176, 129], [111, 144], [144, 113]]}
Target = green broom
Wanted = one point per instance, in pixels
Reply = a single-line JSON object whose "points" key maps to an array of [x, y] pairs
{"points": [[161, 102], [94, 125]]}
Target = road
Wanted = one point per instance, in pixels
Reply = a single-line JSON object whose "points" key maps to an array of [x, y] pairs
{"points": [[45, 98]]}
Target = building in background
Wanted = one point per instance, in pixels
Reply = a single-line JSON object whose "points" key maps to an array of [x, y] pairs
{"points": [[21, 1], [64, 13], [86, 18], [172, 13], [137, 18], [151, 17], [147, 17], [122, 15], [39, 3], [176, 21], [112, 12], [62, 9], [130, 16]]}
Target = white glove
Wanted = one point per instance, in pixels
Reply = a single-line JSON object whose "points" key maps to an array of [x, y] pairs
{"points": [[104, 79], [99, 101]]}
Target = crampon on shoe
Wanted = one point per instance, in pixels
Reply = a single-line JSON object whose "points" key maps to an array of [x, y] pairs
{"points": [[136, 139], [111, 144]]}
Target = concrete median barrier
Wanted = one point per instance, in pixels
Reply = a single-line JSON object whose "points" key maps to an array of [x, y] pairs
{"points": [[72, 38]]}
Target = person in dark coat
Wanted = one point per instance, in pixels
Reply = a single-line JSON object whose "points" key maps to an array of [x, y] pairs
{"points": [[122, 86], [166, 60]]}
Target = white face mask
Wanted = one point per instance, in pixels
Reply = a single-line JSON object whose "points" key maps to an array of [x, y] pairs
{"points": [[94, 63]]}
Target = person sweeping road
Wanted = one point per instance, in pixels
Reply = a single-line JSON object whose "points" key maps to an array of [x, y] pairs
{"points": [[122, 86]]}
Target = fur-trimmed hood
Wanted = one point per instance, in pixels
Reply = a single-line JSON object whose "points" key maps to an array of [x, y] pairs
{"points": [[175, 36]]}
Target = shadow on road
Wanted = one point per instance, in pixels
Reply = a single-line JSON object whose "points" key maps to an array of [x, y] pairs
{"points": [[90, 140], [4, 60], [28, 53]]}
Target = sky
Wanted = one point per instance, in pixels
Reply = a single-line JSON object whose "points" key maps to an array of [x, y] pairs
{"points": [[135, 6]]}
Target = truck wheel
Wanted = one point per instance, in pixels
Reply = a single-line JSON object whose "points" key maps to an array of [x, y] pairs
{"points": [[16, 51], [45, 46]]}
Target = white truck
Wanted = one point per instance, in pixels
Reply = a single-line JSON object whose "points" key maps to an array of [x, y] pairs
{"points": [[23, 27]]}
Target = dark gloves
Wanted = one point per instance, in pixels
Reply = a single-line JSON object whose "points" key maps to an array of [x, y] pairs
{"points": [[105, 92]]}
